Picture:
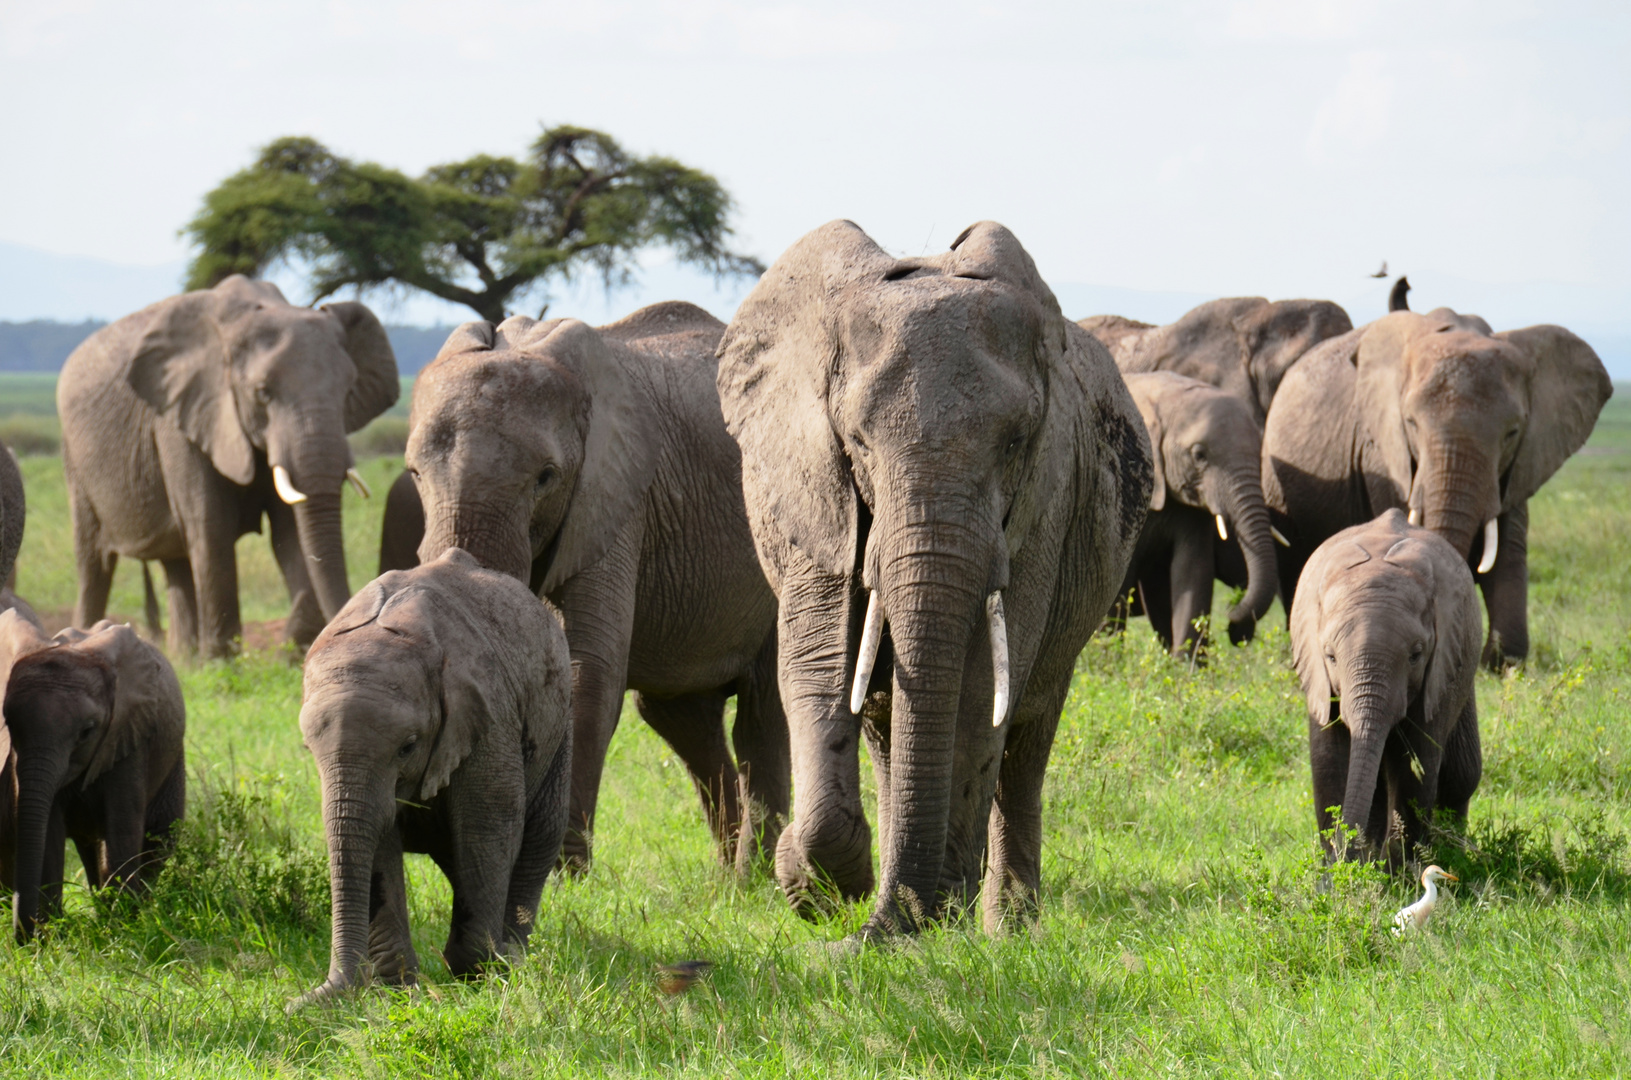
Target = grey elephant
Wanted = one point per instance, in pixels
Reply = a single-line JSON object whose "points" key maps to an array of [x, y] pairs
{"points": [[186, 422], [1244, 345], [1437, 416], [1385, 637], [96, 724], [945, 480], [594, 465], [1207, 518], [13, 512], [435, 704]]}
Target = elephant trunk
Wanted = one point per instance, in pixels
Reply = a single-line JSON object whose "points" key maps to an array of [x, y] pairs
{"points": [[1460, 495], [354, 822], [309, 467], [1242, 496], [935, 586], [37, 783], [494, 532], [1368, 713]]}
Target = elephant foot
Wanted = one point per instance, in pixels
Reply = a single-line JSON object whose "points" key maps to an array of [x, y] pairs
{"points": [[818, 879], [327, 994], [1240, 633], [1501, 660]]}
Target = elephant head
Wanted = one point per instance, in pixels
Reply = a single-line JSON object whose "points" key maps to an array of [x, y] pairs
{"points": [[891, 415], [247, 376], [1207, 453], [1385, 629], [531, 444], [1243, 345], [393, 703], [1467, 424], [74, 705]]}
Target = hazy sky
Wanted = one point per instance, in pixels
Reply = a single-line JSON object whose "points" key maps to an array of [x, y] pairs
{"points": [[1281, 147]]}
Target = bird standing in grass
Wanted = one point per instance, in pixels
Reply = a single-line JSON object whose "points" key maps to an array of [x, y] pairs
{"points": [[1416, 915]]}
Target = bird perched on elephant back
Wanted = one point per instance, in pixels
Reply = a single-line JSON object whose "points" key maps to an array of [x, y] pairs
{"points": [[95, 725], [1385, 637], [185, 423], [1439, 417], [945, 480], [1243, 345], [594, 465], [1207, 518], [436, 706]]}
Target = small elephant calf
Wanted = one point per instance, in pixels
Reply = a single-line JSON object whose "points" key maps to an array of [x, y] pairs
{"points": [[1386, 637], [95, 724], [437, 706]]}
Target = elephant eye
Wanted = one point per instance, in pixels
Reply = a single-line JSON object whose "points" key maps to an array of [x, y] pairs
{"points": [[547, 476], [1416, 652], [262, 395], [1331, 656], [1014, 445], [407, 747], [1198, 452]]}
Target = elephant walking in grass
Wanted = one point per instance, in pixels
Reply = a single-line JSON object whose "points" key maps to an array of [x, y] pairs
{"points": [[185, 423], [1244, 345], [1436, 416], [1207, 517], [436, 706], [1386, 637], [945, 481], [594, 465], [94, 732]]}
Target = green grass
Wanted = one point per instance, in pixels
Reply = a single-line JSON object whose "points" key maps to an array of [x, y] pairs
{"points": [[1185, 931]]}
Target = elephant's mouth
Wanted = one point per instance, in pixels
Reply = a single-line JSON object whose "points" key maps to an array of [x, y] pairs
{"points": [[544, 560]]}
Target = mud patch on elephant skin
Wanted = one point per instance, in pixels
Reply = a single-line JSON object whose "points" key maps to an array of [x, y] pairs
{"points": [[1124, 445]]}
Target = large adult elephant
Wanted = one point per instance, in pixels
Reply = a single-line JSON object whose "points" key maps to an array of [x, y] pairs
{"points": [[186, 422], [1208, 458], [13, 511], [594, 465], [1437, 416], [931, 442], [1244, 345]]}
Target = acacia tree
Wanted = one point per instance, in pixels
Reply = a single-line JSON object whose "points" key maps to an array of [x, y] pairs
{"points": [[479, 232]]}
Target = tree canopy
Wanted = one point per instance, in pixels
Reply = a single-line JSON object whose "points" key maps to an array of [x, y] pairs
{"points": [[480, 232]]}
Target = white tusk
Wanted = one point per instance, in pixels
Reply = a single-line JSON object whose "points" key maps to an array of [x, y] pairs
{"points": [[867, 657], [999, 657], [1279, 537], [1415, 516], [285, 487], [1223, 530], [1492, 544], [357, 482]]}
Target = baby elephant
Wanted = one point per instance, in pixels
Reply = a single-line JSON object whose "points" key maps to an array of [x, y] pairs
{"points": [[436, 704], [1386, 637], [95, 723]]}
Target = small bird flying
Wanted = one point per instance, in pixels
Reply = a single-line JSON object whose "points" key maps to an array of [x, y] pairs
{"points": [[680, 977], [1416, 915], [1382, 272]]}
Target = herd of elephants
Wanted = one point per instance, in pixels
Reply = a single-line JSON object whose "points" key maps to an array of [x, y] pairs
{"points": [[892, 499]]}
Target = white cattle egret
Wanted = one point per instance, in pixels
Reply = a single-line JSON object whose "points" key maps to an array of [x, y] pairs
{"points": [[1416, 915]]}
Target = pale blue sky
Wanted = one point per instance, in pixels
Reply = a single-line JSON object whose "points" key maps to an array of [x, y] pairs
{"points": [[1279, 147]]}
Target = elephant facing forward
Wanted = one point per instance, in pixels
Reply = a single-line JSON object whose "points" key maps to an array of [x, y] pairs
{"points": [[1436, 416], [1207, 517], [435, 704], [185, 423], [945, 480], [594, 465], [94, 725]]}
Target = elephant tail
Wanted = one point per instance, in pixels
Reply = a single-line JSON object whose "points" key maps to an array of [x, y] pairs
{"points": [[150, 601]]}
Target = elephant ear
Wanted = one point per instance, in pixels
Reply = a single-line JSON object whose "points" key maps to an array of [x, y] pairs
{"points": [[462, 670], [1275, 336], [776, 361], [1379, 389], [377, 387], [619, 452], [147, 702], [1151, 415], [1454, 614], [1569, 389], [19, 636], [1307, 650], [182, 369]]}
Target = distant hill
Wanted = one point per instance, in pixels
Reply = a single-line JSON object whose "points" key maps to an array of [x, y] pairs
{"points": [[41, 345]]}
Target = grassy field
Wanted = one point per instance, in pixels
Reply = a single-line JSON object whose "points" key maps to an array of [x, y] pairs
{"points": [[1185, 930]]}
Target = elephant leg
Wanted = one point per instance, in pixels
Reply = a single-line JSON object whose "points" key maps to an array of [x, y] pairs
{"points": [[763, 764], [95, 567], [207, 506], [487, 828], [124, 820], [598, 609], [1127, 605], [1463, 766], [1191, 585], [183, 598], [1328, 747], [305, 620], [1013, 879], [1506, 593], [390, 941], [1413, 779], [90, 857], [540, 844], [1155, 593], [694, 725], [167, 806], [52, 865]]}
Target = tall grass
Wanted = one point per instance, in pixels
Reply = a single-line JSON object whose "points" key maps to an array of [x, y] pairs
{"points": [[1188, 928]]}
